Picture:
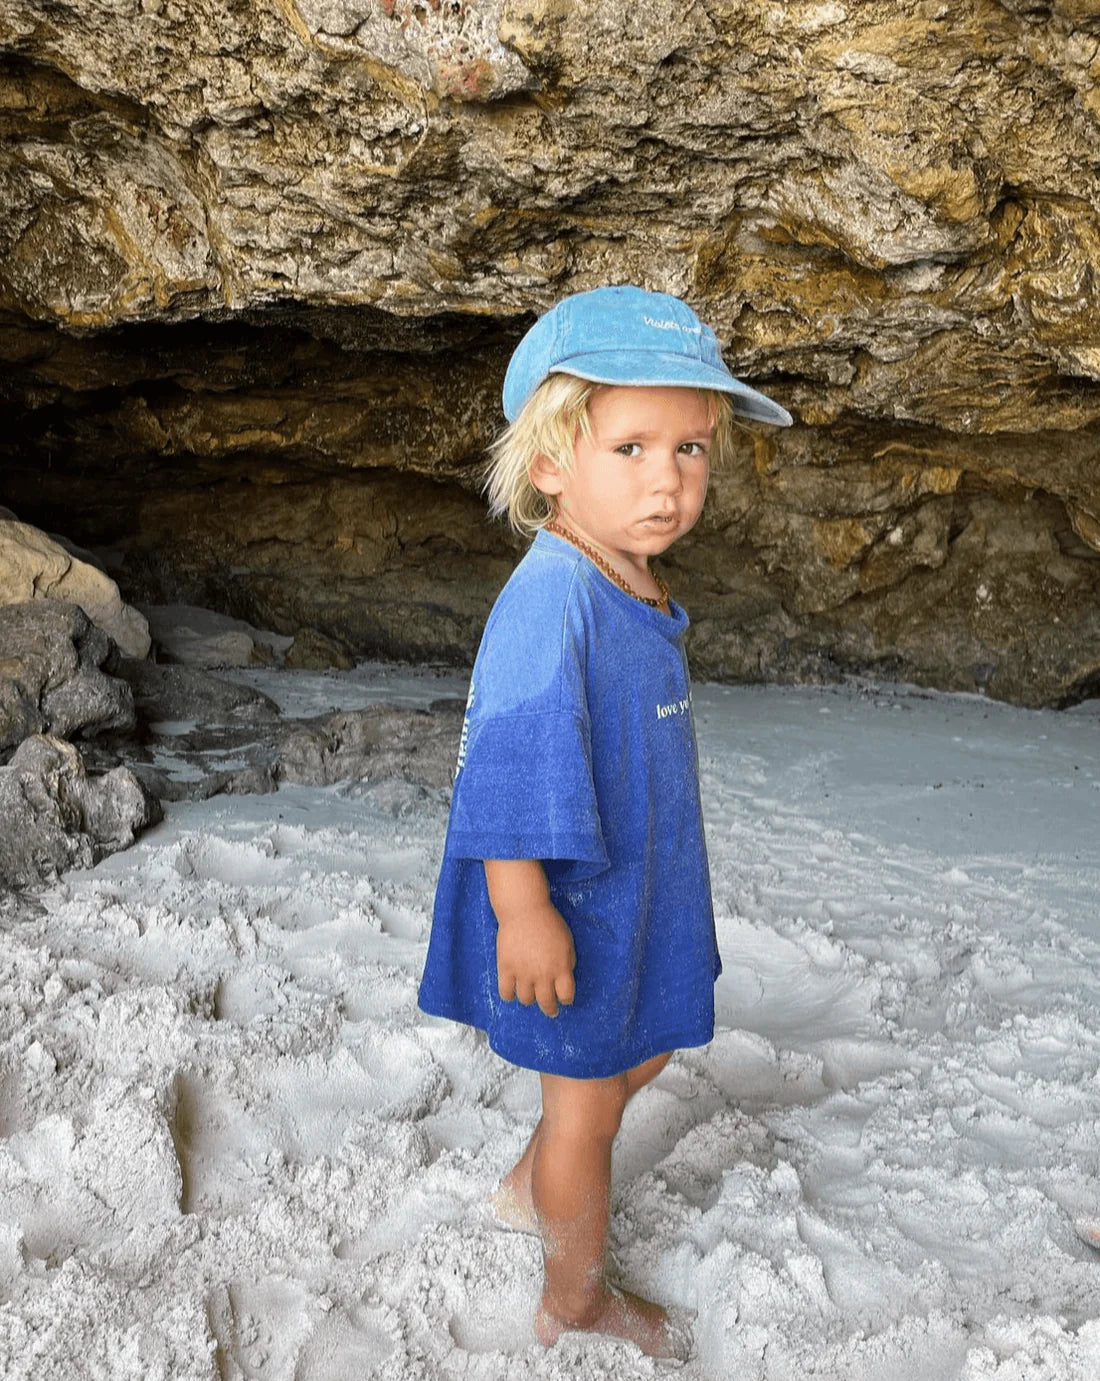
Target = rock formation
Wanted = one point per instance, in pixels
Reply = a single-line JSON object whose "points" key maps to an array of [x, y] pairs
{"points": [[381, 742], [176, 693], [261, 265], [55, 817], [199, 638], [55, 675], [35, 566]]}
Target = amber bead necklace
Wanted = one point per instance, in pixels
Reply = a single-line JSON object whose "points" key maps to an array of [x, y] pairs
{"points": [[613, 575]]}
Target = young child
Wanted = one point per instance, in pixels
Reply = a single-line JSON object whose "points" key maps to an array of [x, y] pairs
{"points": [[573, 916]]}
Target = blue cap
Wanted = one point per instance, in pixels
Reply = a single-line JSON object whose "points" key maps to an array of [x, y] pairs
{"points": [[628, 336]]}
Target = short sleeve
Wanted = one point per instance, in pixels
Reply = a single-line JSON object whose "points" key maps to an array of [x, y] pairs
{"points": [[525, 790]]}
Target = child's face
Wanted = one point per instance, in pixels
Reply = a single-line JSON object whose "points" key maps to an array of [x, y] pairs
{"points": [[638, 482]]}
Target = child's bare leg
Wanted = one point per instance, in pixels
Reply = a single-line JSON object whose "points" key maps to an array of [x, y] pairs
{"points": [[640, 1075], [512, 1198], [571, 1181]]}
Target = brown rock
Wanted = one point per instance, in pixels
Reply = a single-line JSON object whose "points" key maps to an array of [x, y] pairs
{"points": [[34, 566], [306, 238], [313, 651]]}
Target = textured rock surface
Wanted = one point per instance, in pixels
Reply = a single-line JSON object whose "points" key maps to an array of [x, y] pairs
{"points": [[174, 693], [308, 234], [200, 638], [34, 566], [191, 751], [53, 677], [378, 743], [56, 817], [313, 651]]}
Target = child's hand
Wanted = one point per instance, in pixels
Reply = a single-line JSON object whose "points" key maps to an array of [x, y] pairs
{"points": [[535, 955], [535, 960]]}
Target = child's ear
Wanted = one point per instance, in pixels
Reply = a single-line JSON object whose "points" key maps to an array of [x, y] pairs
{"points": [[545, 475]]}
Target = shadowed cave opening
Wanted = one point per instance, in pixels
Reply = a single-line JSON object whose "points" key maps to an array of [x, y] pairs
{"points": [[318, 469]]}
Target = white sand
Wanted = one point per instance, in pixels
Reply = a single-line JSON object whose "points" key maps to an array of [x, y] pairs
{"points": [[230, 1146]]}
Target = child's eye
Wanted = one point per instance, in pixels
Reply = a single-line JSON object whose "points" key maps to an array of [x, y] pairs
{"points": [[694, 448], [629, 448]]}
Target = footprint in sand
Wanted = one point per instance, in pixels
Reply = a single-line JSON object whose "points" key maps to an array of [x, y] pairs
{"points": [[400, 921], [214, 1137], [241, 863], [349, 1343], [11, 1105], [262, 1325], [313, 1103], [250, 991], [297, 910]]}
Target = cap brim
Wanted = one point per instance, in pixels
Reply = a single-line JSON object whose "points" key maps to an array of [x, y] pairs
{"points": [[656, 370]]}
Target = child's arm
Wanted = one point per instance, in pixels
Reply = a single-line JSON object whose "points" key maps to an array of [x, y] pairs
{"points": [[535, 955]]}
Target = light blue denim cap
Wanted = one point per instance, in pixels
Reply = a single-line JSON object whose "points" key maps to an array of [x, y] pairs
{"points": [[628, 336]]}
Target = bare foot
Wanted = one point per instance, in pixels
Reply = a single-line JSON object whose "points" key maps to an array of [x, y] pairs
{"points": [[512, 1203], [622, 1315]]}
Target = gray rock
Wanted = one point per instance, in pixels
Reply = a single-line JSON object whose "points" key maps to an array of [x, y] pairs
{"points": [[54, 674], [54, 817], [255, 779], [380, 741], [176, 692], [201, 637]]}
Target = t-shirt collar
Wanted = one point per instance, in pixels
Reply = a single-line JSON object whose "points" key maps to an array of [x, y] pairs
{"points": [[672, 625]]}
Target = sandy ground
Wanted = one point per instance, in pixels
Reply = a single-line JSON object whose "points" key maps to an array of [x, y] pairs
{"points": [[231, 1147]]}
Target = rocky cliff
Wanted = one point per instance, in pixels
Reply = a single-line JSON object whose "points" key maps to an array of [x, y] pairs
{"points": [[262, 262]]}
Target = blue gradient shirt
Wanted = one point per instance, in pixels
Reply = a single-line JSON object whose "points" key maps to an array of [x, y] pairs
{"points": [[578, 750]]}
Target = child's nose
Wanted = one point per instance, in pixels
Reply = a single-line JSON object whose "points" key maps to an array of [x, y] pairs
{"points": [[668, 479]]}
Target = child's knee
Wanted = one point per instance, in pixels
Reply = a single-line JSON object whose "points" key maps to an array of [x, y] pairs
{"points": [[584, 1109], [608, 1112]]}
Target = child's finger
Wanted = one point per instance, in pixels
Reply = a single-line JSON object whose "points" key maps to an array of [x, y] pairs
{"points": [[506, 986], [566, 988], [547, 1001]]}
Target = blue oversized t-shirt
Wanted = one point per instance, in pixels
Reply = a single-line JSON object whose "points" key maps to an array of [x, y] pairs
{"points": [[578, 750]]}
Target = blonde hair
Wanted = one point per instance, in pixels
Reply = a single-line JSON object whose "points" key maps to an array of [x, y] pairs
{"points": [[548, 425]]}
